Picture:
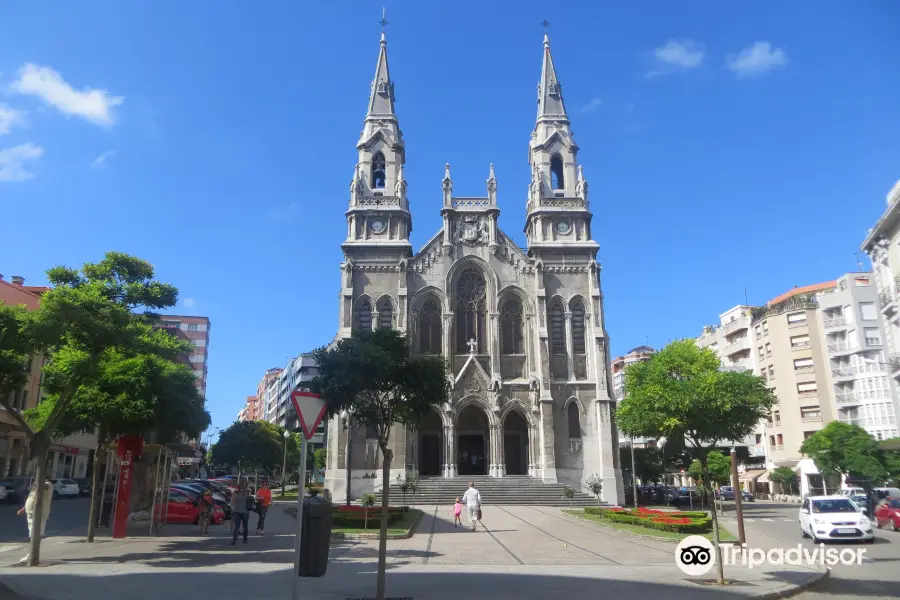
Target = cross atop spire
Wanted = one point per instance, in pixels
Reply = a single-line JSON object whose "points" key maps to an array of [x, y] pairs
{"points": [[381, 97], [384, 22], [546, 25]]}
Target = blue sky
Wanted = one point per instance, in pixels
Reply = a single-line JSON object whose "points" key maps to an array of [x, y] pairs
{"points": [[728, 146]]}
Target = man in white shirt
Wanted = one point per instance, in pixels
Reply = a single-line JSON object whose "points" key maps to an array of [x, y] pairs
{"points": [[472, 500]]}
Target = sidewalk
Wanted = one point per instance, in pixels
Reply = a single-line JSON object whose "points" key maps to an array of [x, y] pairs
{"points": [[523, 552]]}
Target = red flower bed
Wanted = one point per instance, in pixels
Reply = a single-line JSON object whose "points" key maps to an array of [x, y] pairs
{"points": [[672, 521], [362, 509]]}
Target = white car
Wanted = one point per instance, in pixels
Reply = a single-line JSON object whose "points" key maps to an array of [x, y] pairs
{"points": [[65, 487], [826, 518]]}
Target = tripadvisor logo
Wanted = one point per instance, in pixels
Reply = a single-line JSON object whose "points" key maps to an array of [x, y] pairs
{"points": [[695, 556]]}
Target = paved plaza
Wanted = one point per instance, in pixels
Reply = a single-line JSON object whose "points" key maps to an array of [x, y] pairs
{"points": [[534, 552]]}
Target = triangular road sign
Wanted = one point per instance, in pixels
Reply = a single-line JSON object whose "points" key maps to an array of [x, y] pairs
{"points": [[310, 409]]}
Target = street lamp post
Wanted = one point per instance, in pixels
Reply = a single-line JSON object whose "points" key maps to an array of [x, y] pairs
{"points": [[345, 419], [633, 475], [284, 462]]}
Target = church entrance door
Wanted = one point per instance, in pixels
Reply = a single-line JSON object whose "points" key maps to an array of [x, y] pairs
{"points": [[430, 464], [472, 435], [472, 459], [515, 444]]}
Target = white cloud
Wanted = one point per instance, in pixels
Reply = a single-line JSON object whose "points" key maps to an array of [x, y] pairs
{"points": [[100, 161], [92, 105], [758, 59], [13, 161], [9, 118], [189, 302], [677, 55], [592, 105]]}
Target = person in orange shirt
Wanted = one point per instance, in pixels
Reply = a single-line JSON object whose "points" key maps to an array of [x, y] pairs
{"points": [[263, 501]]}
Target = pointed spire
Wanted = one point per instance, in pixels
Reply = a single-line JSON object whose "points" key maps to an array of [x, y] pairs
{"points": [[381, 97], [447, 186], [550, 100], [492, 186]]}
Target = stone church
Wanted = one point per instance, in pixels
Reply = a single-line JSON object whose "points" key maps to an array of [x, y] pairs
{"points": [[522, 329]]}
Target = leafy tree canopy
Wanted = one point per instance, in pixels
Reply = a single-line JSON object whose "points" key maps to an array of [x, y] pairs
{"points": [[719, 469], [255, 445], [841, 448]]}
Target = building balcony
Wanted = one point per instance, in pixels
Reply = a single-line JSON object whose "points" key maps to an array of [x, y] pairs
{"points": [[739, 345], [887, 298], [853, 421], [845, 399], [809, 394], [736, 325], [835, 323], [843, 372], [840, 347], [800, 346], [804, 369]]}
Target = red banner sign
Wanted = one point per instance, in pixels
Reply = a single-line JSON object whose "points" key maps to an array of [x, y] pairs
{"points": [[130, 447]]}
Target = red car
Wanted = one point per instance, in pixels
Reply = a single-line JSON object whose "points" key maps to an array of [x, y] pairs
{"points": [[183, 509], [888, 512]]}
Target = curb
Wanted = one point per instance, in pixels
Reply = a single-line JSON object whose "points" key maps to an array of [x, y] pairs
{"points": [[794, 590]]}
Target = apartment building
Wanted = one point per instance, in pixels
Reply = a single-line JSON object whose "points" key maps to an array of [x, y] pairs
{"points": [[250, 411], [855, 339], [196, 331], [882, 245], [264, 391], [619, 364], [731, 340], [279, 409]]}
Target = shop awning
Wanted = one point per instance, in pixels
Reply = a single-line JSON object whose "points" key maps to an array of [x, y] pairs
{"points": [[764, 477], [751, 475]]}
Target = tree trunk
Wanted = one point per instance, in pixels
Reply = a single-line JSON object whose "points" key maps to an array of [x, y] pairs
{"points": [[96, 498], [42, 451], [387, 456], [720, 574]]}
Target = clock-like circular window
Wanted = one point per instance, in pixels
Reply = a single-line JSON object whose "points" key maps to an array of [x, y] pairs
{"points": [[563, 227], [377, 226]]}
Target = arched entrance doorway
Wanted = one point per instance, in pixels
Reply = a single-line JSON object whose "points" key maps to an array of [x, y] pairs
{"points": [[431, 444], [515, 443], [472, 441]]}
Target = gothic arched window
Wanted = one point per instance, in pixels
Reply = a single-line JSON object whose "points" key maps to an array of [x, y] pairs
{"points": [[557, 328], [429, 326], [385, 314], [470, 311], [378, 171], [578, 346], [574, 421], [557, 181], [511, 325], [364, 316]]}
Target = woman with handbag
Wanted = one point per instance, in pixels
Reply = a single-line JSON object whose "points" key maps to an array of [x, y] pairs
{"points": [[472, 500]]}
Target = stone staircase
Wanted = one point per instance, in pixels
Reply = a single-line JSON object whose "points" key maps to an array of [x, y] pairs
{"points": [[512, 489]]}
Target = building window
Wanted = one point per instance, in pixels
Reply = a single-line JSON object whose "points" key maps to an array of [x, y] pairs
{"points": [[557, 328], [803, 364], [512, 325], [772, 441], [761, 352], [574, 421], [799, 341], [430, 327], [777, 415], [193, 327], [758, 331], [758, 438], [867, 311], [385, 314], [364, 316], [797, 318], [768, 349], [873, 336], [779, 439], [378, 171], [765, 325], [470, 311], [808, 434], [771, 371], [556, 172], [810, 412], [578, 346], [808, 387]]}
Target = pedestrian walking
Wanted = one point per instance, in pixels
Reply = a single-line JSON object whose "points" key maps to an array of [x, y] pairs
{"points": [[240, 513], [472, 499], [29, 511], [457, 511], [206, 504], [263, 501]]}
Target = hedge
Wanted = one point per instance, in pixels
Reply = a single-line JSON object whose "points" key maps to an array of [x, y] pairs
{"points": [[673, 521], [359, 521]]}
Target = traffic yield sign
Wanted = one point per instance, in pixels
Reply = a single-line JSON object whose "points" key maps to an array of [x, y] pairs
{"points": [[310, 409]]}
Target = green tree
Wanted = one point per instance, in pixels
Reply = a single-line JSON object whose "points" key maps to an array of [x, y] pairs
{"points": [[594, 483], [681, 390], [86, 314], [785, 476], [719, 469], [844, 449], [320, 458], [374, 375], [254, 445]]}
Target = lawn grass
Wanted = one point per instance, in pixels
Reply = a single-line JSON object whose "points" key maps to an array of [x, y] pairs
{"points": [[287, 496], [724, 534], [399, 527]]}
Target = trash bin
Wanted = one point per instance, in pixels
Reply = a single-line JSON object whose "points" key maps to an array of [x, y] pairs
{"points": [[315, 540]]}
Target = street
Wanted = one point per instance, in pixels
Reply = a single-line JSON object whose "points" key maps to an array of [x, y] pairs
{"points": [[769, 524], [68, 516]]}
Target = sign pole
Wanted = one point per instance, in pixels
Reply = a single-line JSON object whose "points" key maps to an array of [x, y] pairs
{"points": [[300, 482]]}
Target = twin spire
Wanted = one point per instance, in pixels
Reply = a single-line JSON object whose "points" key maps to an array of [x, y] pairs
{"points": [[381, 97]]}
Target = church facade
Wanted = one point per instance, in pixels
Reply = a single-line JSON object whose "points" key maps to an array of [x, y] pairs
{"points": [[522, 330]]}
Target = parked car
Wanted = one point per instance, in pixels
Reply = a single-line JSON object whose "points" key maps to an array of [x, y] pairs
{"points": [[825, 518], [884, 492], [4, 492], [196, 491], [888, 513], [183, 508], [686, 497], [862, 501], [84, 486], [852, 491], [725, 492], [747, 496], [65, 487], [211, 485]]}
